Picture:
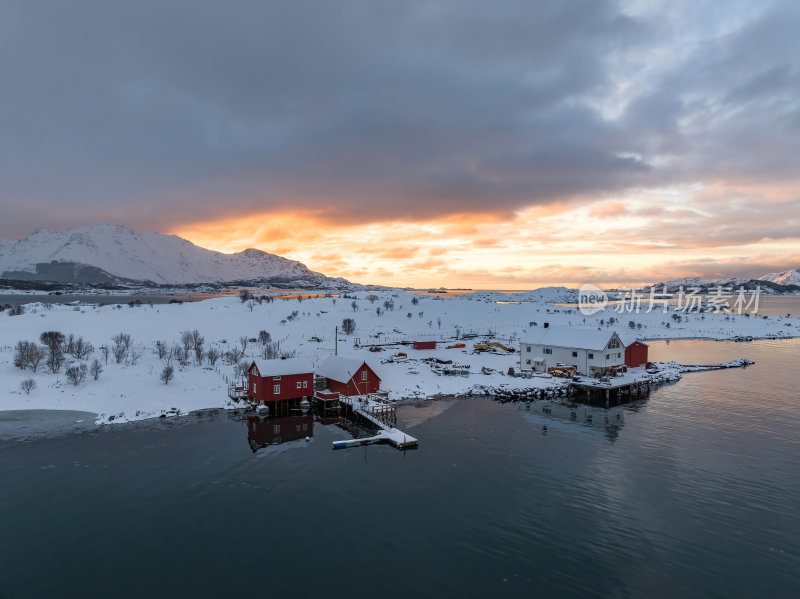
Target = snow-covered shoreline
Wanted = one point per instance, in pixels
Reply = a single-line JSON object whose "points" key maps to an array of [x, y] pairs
{"points": [[132, 389]]}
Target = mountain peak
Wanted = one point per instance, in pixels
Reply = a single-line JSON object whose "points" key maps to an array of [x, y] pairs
{"points": [[787, 277], [149, 256]]}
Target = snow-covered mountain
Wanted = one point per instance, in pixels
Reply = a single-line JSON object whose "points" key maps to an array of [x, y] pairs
{"points": [[787, 277], [107, 253]]}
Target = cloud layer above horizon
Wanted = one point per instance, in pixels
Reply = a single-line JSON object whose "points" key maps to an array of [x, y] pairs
{"points": [[612, 139]]}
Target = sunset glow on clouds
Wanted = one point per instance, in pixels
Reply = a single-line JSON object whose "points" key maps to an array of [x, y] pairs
{"points": [[504, 145]]}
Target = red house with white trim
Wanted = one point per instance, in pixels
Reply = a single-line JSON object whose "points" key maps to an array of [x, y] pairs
{"points": [[274, 380], [349, 376]]}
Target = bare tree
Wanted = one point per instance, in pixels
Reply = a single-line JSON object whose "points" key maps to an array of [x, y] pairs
{"points": [[27, 386], [76, 374], [244, 295], [28, 355], [95, 369], [372, 298], [241, 368], [264, 337], [167, 354], [243, 343], [167, 374], [271, 350], [133, 356], [348, 326], [55, 360], [354, 305], [212, 355], [104, 351], [52, 339], [122, 344], [79, 348], [161, 349]]}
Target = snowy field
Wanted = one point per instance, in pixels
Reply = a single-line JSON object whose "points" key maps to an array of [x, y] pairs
{"points": [[132, 389]]}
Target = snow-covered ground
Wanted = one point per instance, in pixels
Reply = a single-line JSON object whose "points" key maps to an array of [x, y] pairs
{"points": [[128, 391]]}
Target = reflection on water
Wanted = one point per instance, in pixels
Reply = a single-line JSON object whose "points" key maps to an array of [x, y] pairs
{"points": [[263, 431], [546, 415]]}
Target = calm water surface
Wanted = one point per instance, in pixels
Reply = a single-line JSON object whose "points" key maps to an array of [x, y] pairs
{"points": [[692, 493]]}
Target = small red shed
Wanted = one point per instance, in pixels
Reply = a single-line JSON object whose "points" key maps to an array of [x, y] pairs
{"points": [[424, 345], [274, 380], [349, 376], [636, 354]]}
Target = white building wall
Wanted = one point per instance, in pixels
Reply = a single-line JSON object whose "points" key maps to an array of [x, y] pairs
{"points": [[564, 355]]}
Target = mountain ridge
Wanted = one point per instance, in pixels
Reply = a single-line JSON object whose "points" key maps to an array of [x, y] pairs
{"points": [[105, 251]]}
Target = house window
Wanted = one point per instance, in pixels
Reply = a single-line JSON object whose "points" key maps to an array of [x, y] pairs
{"points": [[276, 378], [591, 356], [299, 385], [255, 387], [297, 428], [305, 384], [529, 349], [363, 375], [548, 351], [276, 429], [276, 389], [527, 361], [608, 356], [305, 427], [574, 354], [619, 354]]}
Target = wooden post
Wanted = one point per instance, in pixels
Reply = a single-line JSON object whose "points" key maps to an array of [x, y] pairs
{"points": [[607, 396]]}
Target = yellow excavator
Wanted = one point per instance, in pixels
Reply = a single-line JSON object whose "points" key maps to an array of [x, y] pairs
{"points": [[491, 344]]}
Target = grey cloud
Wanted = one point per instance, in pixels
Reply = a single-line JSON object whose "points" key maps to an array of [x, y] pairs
{"points": [[155, 113]]}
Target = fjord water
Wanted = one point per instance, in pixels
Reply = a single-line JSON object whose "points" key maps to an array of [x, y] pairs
{"points": [[694, 492]]}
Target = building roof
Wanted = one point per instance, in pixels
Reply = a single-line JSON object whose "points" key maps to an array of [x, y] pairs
{"points": [[285, 367], [572, 337], [341, 368], [630, 337]]}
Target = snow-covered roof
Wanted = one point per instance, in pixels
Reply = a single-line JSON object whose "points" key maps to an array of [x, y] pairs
{"points": [[341, 368], [284, 367], [574, 337], [629, 337]]}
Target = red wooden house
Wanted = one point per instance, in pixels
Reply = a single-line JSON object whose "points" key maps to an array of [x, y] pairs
{"points": [[349, 376], [636, 354], [424, 345], [274, 380]]}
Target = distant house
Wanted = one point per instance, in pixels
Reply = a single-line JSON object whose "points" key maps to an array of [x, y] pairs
{"points": [[349, 376], [425, 345], [636, 351], [274, 380], [590, 351]]}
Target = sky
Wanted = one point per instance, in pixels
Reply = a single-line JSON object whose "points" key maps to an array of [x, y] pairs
{"points": [[507, 145]]}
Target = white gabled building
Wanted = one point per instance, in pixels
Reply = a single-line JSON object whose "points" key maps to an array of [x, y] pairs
{"points": [[590, 351]]}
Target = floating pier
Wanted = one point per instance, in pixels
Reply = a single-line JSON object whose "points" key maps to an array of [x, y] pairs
{"points": [[382, 415]]}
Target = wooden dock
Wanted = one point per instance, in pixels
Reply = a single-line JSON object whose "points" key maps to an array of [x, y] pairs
{"points": [[606, 391], [382, 415]]}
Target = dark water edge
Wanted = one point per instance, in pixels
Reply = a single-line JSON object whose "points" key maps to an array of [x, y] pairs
{"points": [[692, 493]]}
